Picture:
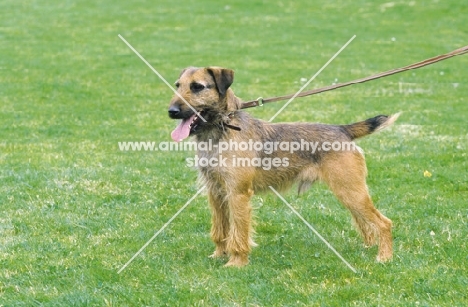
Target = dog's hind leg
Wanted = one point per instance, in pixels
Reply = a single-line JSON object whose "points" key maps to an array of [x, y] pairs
{"points": [[345, 175], [219, 222]]}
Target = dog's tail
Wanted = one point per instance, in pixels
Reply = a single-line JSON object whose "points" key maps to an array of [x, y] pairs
{"points": [[370, 125]]}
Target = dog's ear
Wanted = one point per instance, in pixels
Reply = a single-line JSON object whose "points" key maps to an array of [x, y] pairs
{"points": [[223, 78]]}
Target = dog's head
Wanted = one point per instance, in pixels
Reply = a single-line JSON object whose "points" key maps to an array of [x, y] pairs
{"points": [[203, 99]]}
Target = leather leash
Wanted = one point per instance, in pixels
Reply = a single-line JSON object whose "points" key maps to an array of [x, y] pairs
{"points": [[261, 101]]}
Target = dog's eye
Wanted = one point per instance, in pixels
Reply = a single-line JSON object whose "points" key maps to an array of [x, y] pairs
{"points": [[196, 87]]}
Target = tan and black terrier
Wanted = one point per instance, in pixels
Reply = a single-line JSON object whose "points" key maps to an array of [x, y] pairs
{"points": [[210, 112]]}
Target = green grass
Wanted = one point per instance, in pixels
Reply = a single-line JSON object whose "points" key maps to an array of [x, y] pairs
{"points": [[74, 209]]}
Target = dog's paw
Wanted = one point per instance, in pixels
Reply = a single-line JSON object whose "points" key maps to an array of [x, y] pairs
{"points": [[385, 252], [237, 261]]}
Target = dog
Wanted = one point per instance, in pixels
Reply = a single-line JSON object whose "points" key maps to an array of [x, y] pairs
{"points": [[210, 112]]}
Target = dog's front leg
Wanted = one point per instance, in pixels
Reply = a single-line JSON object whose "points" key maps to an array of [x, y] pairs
{"points": [[239, 241], [219, 222]]}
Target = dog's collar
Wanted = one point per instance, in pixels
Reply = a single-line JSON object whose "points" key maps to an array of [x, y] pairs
{"points": [[233, 127], [228, 119]]}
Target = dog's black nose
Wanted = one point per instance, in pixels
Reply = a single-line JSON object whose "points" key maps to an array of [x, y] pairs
{"points": [[174, 111]]}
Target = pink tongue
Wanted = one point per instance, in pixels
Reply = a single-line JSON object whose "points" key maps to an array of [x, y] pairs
{"points": [[182, 131]]}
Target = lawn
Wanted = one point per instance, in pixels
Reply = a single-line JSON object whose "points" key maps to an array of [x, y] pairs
{"points": [[74, 208]]}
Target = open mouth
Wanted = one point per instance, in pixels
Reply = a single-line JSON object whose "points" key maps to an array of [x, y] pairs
{"points": [[186, 127]]}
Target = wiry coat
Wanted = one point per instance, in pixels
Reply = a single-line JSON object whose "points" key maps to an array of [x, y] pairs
{"points": [[230, 185]]}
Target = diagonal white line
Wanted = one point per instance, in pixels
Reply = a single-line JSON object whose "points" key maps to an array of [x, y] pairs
{"points": [[160, 76], [160, 230], [311, 79], [313, 229]]}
